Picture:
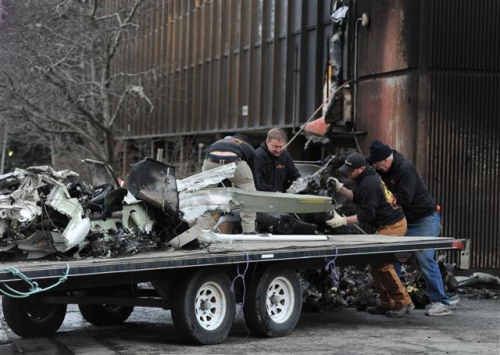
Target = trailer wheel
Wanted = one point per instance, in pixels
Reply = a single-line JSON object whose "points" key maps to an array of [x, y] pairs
{"points": [[274, 302], [203, 307], [103, 314], [29, 319]]}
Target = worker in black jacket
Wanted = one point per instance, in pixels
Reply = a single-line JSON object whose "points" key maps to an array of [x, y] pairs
{"points": [[421, 212], [275, 168], [377, 207], [236, 149]]}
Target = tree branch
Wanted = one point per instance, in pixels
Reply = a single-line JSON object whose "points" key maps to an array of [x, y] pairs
{"points": [[96, 146], [69, 97], [115, 40], [93, 9], [63, 59], [55, 34]]}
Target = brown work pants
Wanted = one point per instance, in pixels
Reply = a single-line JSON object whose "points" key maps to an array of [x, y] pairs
{"points": [[385, 280]]}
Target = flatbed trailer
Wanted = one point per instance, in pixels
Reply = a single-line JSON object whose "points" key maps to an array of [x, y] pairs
{"points": [[201, 287]]}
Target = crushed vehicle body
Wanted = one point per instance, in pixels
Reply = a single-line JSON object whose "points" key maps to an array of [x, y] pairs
{"points": [[48, 213], [52, 213]]}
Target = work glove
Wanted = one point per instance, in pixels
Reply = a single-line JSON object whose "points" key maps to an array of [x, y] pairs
{"points": [[337, 220], [334, 182]]}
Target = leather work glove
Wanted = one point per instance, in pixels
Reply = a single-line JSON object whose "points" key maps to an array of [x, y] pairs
{"points": [[336, 221], [334, 182]]}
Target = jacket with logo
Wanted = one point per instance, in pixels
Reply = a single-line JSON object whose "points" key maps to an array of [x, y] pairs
{"points": [[376, 204], [275, 173]]}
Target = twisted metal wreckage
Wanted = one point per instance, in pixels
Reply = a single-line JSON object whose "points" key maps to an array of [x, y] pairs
{"points": [[47, 213]]}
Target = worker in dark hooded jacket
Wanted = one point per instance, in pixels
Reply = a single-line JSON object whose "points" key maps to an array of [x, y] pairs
{"points": [[376, 206], [422, 214], [275, 167]]}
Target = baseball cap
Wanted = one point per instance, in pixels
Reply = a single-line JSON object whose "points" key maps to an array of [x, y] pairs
{"points": [[353, 161]]}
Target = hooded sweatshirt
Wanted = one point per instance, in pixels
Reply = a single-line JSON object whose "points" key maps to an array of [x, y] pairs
{"points": [[376, 204], [405, 183]]}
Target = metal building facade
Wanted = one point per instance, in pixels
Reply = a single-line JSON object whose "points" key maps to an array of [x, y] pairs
{"points": [[236, 65], [429, 81], [464, 121], [428, 77]]}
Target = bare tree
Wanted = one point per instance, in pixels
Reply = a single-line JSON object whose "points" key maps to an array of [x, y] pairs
{"points": [[57, 61]]}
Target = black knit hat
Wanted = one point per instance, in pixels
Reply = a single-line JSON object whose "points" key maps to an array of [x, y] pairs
{"points": [[353, 161], [242, 137], [379, 151]]}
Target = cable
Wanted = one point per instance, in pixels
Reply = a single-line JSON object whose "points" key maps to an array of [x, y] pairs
{"points": [[332, 269], [34, 288]]}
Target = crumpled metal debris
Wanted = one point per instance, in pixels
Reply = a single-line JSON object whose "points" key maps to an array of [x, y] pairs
{"points": [[477, 277], [479, 285], [44, 212], [19, 191], [154, 182], [48, 213], [118, 244], [207, 178], [478, 292], [77, 228], [354, 288]]}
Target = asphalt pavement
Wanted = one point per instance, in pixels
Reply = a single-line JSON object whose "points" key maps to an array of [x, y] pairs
{"points": [[474, 328]]}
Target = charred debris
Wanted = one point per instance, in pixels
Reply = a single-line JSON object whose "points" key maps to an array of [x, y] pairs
{"points": [[53, 214]]}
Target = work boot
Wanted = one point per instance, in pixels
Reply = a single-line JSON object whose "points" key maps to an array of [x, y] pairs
{"points": [[437, 309], [400, 311], [377, 310]]}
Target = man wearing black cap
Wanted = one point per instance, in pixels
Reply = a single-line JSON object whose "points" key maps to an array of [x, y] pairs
{"points": [[421, 212], [236, 149], [376, 206]]}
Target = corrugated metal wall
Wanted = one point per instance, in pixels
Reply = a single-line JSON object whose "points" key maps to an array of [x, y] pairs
{"points": [[463, 57], [429, 84], [229, 65], [388, 76]]}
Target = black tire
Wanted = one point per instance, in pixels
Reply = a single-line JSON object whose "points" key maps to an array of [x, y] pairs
{"points": [[203, 307], [102, 314], [274, 302], [29, 319]]}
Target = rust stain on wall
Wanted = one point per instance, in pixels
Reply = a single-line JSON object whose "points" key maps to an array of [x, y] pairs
{"points": [[386, 111], [390, 42]]}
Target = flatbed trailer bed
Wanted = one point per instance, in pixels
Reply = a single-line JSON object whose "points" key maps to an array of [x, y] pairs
{"points": [[200, 287]]}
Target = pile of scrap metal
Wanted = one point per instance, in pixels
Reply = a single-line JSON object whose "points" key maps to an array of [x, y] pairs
{"points": [[52, 214], [350, 286], [478, 285], [45, 212]]}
